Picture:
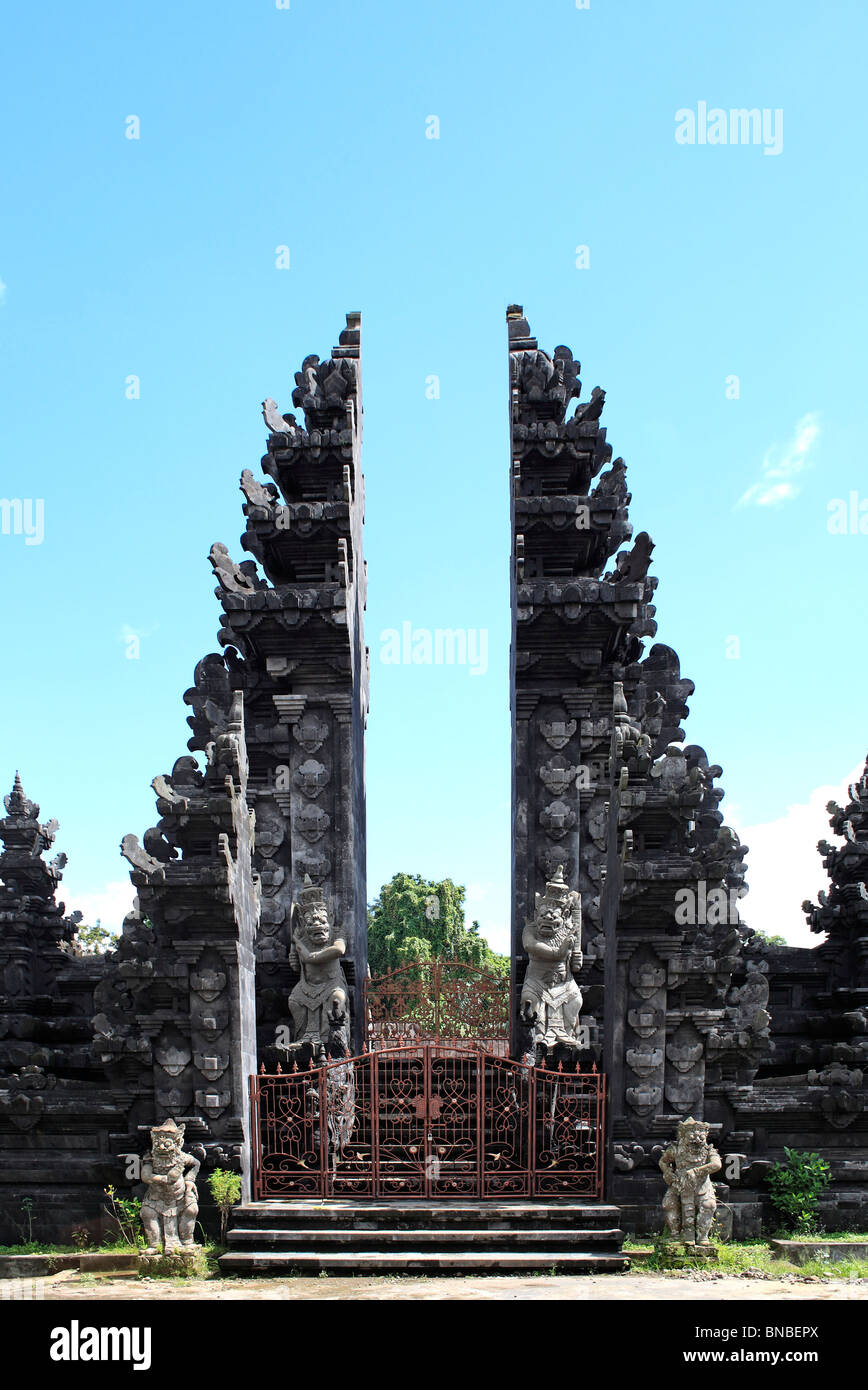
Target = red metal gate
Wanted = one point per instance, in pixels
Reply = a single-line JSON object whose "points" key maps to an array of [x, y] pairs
{"points": [[427, 1121]]}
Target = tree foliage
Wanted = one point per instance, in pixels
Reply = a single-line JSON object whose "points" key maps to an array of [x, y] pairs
{"points": [[769, 939], [226, 1190], [95, 940], [415, 919]]}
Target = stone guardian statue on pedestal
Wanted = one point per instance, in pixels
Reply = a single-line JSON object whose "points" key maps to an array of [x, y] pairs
{"points": [[551, 1001], [171, 1203], [687, 1165], [319, 1003]]}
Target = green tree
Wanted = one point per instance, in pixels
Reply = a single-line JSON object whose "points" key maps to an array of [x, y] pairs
{"points": [[770, 940], [95, 940], [415, 919]]}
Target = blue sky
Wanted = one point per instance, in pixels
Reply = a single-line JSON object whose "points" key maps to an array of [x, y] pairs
{"points": [[306, 127]]}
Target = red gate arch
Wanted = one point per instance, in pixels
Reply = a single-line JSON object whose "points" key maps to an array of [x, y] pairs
{"points": [[444, 1002]]}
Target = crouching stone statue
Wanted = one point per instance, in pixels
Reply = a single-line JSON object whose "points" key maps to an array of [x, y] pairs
{"points": [[690, 1201], [171, 1204]]}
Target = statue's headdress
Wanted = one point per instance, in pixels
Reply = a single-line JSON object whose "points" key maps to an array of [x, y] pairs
{"points": [[309, 895], [169, 1127], [688, 1127], [557, 891]]}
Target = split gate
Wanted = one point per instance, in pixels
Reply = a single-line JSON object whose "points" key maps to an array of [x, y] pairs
{"points": [[425, 1121]]}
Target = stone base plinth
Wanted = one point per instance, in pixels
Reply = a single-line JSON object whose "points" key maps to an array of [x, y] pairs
{"points": [[190, 1260], [684, 1252]]}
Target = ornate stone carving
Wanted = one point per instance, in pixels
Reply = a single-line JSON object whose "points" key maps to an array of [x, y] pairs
{"points": [[684, 1049], [550, 998], [135, 855], [557, 729], [277, 424], [558, 819], [631, 1156], [690, 1201], [314, 866], [171, 1203], [211, 1066], [558, 774], [646, 977], [644, 1060], [684, 1093], [554, 857], [644, 1099], [838, 1103], [311, 777], [208, 984], [748, 1001], [310, 732], [232, 578], [322, 388], [319, 1002], [312, 822], [172, 1059], [645, 1021]]}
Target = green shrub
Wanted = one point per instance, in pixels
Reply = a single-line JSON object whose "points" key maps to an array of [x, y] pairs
{"points": [[126, 1214], [226, 1191], [796, 1186]]}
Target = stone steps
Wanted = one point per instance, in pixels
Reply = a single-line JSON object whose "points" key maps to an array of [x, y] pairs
{"points": [[352, 1236], [432, 1262], [378, 1215], [490, 1240]]}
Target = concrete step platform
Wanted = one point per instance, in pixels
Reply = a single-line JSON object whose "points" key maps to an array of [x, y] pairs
{"points": [[355, 1236], [376, 1215], [550, 1238], [368, 1261]]}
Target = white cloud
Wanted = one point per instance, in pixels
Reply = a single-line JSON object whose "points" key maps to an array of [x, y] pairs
{"points": [[784, 864], [110, 905], [2, 293], [780, 468]]}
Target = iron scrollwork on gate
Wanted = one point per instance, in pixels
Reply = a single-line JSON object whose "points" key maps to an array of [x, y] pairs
{"points": [[438, 1001], [428, 1121]]}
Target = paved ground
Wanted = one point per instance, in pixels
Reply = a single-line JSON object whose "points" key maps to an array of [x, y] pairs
{"points": [[582, 1288]]}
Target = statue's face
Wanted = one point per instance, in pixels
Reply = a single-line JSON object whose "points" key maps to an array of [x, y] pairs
{"points": [[164, 1146], [695, 1147], [549, 919], [317, 924]]}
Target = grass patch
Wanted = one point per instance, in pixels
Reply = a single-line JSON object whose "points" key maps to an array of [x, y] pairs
{"points": [[202, 1264], [35, 1247], [739, 1257]]}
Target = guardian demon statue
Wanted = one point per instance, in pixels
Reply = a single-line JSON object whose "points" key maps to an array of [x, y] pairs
{"points": [[690, 1201], [551, 1001], [319, 1003], [171, 1203]]}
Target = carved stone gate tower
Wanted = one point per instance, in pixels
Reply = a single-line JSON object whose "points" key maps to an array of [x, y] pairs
{"points": [[678, 1040], [295, 646]]}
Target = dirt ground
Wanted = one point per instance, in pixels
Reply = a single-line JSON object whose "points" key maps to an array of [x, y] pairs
{"points": [[687, 1285]]}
